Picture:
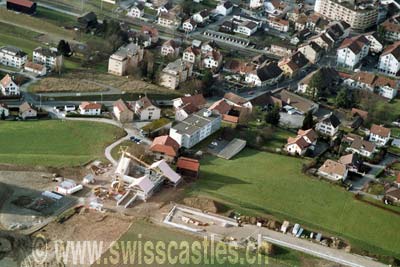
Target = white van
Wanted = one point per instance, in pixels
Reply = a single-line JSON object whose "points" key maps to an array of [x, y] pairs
{"points": [[69, 108]]}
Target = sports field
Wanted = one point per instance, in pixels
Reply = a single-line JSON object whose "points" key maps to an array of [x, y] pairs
{"points": [[259, 183], [55, 143]]}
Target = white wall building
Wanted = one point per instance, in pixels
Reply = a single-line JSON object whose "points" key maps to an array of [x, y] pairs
{"points": [[8, 86], [379, 135], [352, 51], [90, 108], [12, 56], [389, 61], [48, 57]]}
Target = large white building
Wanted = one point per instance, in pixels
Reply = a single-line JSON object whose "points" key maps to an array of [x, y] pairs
{"points": [[389, 61], [195, 128], [48, 57], [359, 15], [352, 51], [12, 56]]}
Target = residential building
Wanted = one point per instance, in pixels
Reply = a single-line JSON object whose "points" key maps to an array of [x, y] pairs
{"points": [[136, 11], [352, 162], [391, 29], [212, 60], [146, 110], [122, 111], [254, 4], [379, 135], [125, 57], [8, 86], [152, 32], [90, 108], [168, 20], [329, 125], [356, 144], [352, 51], [192, 55], [333, 170], [164, 147], [330, 78], [293, 64], [37, 69], [237, 101], [302, 142], [278, 24], [202, 16], [393, 194], [294, 103], [276, 7], [359, 15], [4, 111], [12, 56], [375, 44], [26, 111], [195, 128], [189, 25], [224, 8], [267, 74], [323, 41], [170, 48], [175, 73], [247, 28], [48, 57], [196, 100], [389, 60], [88, 21], [282, 50], [312, 51]]}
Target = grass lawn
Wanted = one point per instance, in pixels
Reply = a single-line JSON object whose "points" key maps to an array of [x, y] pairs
{"points": [[55, 17], [260, 182], [154, 233], [55, 143]]}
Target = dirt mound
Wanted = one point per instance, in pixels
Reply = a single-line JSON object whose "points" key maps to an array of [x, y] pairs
{"points": [[203, 204]]}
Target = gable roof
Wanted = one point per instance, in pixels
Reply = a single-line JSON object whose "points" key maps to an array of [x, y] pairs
{"points": [[24, 107], [221, 106], [24, 3], [362, 113], [196, 100], [355, 44], [331, 119], [358, 143], [294, 100], [121, 105], [145, 102], [188, 164], [234, 98], [380, 130], [165, 144], [333, 167], [89, 105], [35, 66], [393, 49], [268, 71], [6, 80], [171, 43], [310, 134]]}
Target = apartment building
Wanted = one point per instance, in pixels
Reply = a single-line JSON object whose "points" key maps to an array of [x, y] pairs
{"points": [[175, 73], [359, 15], [352, 51], [195, 128], [389, 61], [12, 56], [126, 56], [48, 57]]}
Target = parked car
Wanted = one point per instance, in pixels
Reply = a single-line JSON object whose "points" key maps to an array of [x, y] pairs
{"points": [[69, 108]]}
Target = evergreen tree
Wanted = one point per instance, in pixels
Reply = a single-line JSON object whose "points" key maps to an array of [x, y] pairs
{"points": [[272, 117], [344, 99], [308, 121]]}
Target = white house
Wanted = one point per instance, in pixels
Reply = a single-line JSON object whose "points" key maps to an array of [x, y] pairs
{"points": [[146, 110], [26, 111], [379, 135], [122, 111], [195, 128], [333, 170], [247, 28], [192, 55], [266, 74], [90, 108], [352, 51], [169, 20], [170, 48], [12, 56], [358, 145], [136, 11], [8, 86], [302, 142], [376, 46], [389, 61], [254, 4], [237, 101], [224, 8], [202, 16], [329, 125], [278, 24], [189, 25], [212, 60]]}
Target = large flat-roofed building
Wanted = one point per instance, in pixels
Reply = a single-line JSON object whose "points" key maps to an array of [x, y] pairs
{"points": [[48, 57], [195, 128], [360, 15], [12, 56], [126, 56]]}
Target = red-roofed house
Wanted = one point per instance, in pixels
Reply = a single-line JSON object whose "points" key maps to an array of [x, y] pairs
{"points": [[90, 108], [379, 135], [188, 167], [23, 6], [8, 86], [302, 142], [122, 111], [164, 147]]}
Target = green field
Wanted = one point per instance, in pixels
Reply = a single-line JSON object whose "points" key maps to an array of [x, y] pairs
{"points": [[55, 143], [259, 182], [154, 233]]}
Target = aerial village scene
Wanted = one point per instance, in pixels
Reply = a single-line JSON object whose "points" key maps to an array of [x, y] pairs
{"points": [[199, 133]]}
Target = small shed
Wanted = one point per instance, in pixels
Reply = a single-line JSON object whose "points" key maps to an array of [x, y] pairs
{"points": [[188, 167]]}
